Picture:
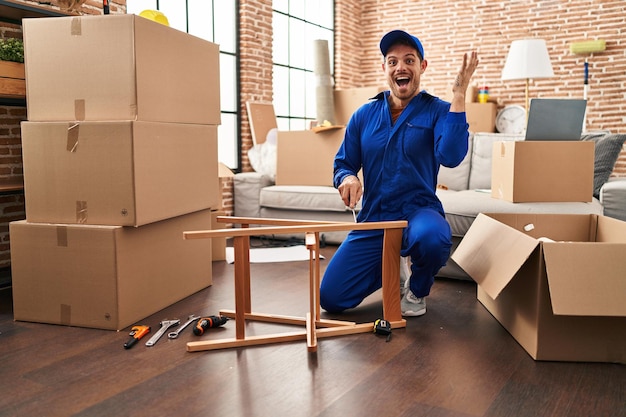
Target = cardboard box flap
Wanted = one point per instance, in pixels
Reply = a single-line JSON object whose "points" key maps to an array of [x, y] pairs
{"points": [[223, 171], [484, 247], [610, 230], [586, 278]]}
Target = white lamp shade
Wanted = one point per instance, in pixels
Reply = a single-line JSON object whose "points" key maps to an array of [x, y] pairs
{"points": [[527, 58]]}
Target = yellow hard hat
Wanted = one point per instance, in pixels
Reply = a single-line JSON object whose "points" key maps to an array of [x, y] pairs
{"points": [[155, 15]]}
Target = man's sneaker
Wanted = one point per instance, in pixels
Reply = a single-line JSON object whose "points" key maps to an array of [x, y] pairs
{"points": [[405, 273], [412, 306]]}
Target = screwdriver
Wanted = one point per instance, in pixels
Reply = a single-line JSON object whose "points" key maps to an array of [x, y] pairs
{"points": [[207, 323], [136, 333]]}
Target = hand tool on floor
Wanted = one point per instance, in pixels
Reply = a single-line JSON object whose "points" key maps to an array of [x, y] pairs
{"points": [[136, 333], [175, 333], [207, 323], [383, 327], [165, 324]]}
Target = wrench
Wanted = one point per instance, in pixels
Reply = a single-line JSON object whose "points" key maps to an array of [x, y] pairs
{"points": [[165, 324], [190, 319]]}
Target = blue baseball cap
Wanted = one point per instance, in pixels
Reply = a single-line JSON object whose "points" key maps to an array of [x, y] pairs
{"points": [[398, 35]]}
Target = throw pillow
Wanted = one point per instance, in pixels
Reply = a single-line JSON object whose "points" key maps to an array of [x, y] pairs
{"points": [[607, 150], [262, 157]]}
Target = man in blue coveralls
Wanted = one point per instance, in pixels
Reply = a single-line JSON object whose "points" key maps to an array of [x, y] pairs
{"points": [[399, 140]]}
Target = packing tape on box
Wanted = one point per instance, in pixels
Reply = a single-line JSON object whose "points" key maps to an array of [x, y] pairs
{"points": [[81, 212], [76, 27], [62, 236], [65, 310], [79, 105], [72, 137]]}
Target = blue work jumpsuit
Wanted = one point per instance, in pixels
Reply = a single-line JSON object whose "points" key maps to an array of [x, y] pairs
{"points": [[400, 162]]}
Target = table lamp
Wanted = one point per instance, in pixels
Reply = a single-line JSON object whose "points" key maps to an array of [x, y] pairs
{"points": [[527, 58]]}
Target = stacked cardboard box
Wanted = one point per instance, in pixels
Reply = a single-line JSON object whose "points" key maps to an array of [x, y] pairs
{"points": [[542, 171], [120, 158]]}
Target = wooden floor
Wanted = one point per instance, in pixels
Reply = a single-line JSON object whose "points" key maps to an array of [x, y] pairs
{"points": [[454, 361]]}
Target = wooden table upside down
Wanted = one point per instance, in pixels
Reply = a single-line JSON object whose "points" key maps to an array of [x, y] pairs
{"points": [[315, 326]]}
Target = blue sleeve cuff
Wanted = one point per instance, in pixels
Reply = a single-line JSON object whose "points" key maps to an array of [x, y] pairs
{"points": [[457, 117]]}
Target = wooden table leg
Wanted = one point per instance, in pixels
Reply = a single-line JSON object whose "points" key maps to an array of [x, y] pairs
{"points": [[241, 245], [312, 244], [392, 241]]}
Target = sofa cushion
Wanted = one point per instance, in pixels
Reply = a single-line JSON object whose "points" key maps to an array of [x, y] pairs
{"points": [[613, 196], [607, 150], [480, 173], [247, 192], [303, 197], [457, 178]]}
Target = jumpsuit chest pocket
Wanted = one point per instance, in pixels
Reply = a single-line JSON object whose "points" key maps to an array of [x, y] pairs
{"points": [[417, 138]]}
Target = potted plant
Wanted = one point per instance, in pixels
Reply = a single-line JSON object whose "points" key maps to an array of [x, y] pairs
{"points": [[12, 76], [12, 49]]}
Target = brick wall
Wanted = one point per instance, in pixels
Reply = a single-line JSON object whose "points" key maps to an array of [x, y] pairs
{"points": [[450, 28], [348, 42], [255, 63], [12, 203]]}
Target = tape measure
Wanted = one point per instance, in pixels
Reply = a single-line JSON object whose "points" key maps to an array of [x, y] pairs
{"points": [[383, 327]]}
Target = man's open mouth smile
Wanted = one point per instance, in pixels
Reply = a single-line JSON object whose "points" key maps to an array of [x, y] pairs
{"points": [[403, 81]]}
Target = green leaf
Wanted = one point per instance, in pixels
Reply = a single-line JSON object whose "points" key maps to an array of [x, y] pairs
{"points": [[11, 49]]}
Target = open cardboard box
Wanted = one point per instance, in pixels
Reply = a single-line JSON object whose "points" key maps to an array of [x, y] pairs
{"points": [[562, 300]]}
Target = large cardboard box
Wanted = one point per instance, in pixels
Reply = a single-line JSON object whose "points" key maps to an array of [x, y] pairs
{"points": [[538, 171], [117, 173], [348, 100], [481, 117], [305, 157], [562, 300], [106, 277], [119, 67]]}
